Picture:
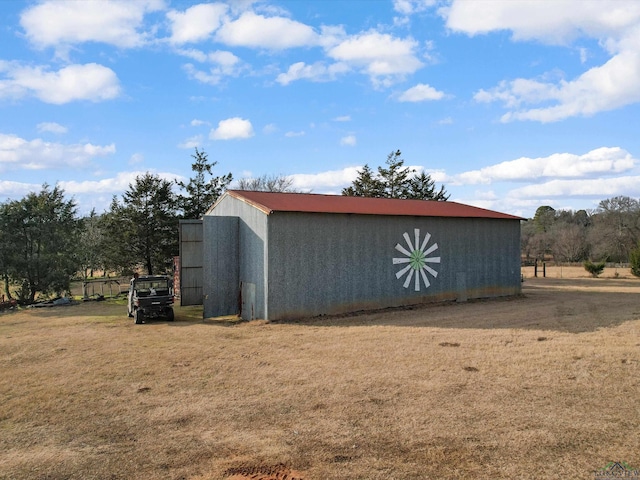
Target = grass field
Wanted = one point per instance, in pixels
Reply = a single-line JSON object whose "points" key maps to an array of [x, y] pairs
{"points": [[543, 386]]}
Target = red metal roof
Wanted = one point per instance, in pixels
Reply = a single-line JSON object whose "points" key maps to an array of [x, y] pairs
{"points": [[270, 202]]}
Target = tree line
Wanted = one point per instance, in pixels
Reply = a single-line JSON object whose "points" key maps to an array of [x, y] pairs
{"points": [[609, 233], [44, 244]]}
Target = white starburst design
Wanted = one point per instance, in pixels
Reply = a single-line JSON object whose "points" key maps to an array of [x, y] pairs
{"points": [[417, 256]]}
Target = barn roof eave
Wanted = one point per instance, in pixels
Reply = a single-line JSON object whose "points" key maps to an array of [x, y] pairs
{"points": [[237, 194], [270, 202]]}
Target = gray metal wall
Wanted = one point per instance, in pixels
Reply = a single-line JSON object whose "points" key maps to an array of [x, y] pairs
{"points": [[332, 263], [251, 259], [220, 266], [190, 234]]}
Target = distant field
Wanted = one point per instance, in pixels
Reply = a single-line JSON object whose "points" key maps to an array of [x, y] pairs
{"points": [[559, 271], [542, 386]]}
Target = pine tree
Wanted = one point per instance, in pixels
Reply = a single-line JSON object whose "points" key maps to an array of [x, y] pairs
{"points": [[396, 177], [143, 229], [422, 187], [365, 185], [395, 181], [37, 244], [201, 193]]}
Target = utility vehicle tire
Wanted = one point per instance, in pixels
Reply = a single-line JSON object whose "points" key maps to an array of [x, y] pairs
{"points": [[170, 315], [139, 317]]}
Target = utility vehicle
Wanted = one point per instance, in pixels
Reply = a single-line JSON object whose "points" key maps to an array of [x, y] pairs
{"points": [[150, 296]]}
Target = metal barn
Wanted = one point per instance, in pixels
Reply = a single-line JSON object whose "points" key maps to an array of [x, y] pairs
{"points": [[289, 255]]}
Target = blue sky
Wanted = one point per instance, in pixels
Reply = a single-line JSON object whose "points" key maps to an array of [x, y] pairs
{"points": [[509, 104]]}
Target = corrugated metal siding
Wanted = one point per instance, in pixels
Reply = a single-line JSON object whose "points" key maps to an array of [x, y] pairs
{"points": [[220, 270], [251, 241], [190, 234], [332, 263], [306, 264]]}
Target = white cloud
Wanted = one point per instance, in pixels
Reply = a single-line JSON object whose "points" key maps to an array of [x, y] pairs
{"points": [[488, 195], [343, 118], [61, 23], [97, 194], [480, 203], [136, 159], [270, 128], [191, 142], [601, 162], [439, 176], [318, 72], [593, 188], [196, 123], [558, 22], [584, 55], [349, 140], [115, 185], [226, 60], [331, 35], [232, 128], [224, 64], [294, 134], [51, 127], [614, 24], [196, 23], [384, 58], [91, 82], [420, 93], [272, 33], [212, 77], [18, 153], [323, 181], [9, 189], [607, 87], [408, 7], [193, 53]]}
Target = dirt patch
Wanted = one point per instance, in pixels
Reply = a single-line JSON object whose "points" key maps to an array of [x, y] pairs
{"points": [[276, 472]]}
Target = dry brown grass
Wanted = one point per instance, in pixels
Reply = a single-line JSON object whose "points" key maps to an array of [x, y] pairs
{"points": [[536, 387]]}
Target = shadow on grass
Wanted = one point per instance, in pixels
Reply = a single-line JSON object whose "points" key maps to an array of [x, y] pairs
{"points": [[563, 305], [114, 309], [586, 282]]}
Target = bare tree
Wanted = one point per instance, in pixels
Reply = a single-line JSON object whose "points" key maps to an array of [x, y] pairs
{"points": [[267, 183], [569, 242], [527, 233], [616, 229]]}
